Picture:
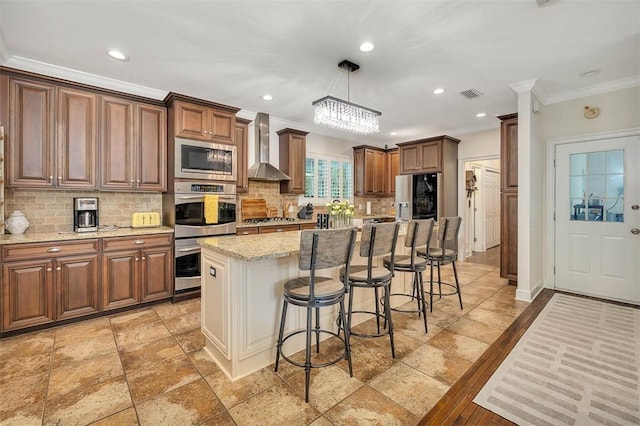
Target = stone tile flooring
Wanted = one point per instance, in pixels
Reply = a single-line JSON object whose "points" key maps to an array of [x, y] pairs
{"points": [[148, 367]]}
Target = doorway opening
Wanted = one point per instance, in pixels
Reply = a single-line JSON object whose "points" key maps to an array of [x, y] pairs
{"points": [[481, 211]]}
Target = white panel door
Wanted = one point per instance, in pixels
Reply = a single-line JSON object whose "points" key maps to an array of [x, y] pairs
{"points": [[597, 218], [492, 208]]}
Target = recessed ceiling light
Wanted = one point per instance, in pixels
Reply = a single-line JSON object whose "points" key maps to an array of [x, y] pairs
{"points": [[393, 133], [367, 46], [266, 97], [590, 73], [116, 54], [481, 114], [438, 91]]}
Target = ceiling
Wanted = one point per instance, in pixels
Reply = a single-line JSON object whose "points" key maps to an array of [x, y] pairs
{"points": [[233, 52]]}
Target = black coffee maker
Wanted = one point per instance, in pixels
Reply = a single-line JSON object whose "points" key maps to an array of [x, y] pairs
{"points": [[85, 214]]}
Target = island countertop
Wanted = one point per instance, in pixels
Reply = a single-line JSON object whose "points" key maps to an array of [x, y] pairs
{"points": [[255, 247], [261, 246]]}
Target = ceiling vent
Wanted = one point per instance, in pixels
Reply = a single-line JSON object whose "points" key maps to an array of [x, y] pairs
{"points": [[471, 93]]}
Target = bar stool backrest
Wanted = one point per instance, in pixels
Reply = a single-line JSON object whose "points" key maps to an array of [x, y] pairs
{"points": [[448, 233], [326, 248], [419, 233], [377, 240]]}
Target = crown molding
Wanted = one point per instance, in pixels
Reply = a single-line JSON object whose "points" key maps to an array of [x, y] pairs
{"points": [[597, 89], [83, 77]]}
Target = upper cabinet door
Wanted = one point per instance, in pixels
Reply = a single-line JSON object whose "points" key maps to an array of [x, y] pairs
{"points": [[409, 159], [222, 126], [31, 134], [509, 152], [430, 157], [151, 147], [242, 140], [192, 121], [77, 139], [116, 129]]}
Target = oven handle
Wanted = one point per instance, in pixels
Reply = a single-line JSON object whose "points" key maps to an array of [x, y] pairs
{"points": [[225, 199], [182, 250]]}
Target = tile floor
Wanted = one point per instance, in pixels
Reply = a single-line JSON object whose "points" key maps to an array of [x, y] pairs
{"points": [[148, 367]]}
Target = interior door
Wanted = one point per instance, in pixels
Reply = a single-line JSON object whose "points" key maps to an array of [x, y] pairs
{"points": [[492, 208], [597, 206]]}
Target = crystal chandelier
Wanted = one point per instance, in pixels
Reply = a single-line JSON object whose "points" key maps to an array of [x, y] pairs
{"points": [[344, 115]]}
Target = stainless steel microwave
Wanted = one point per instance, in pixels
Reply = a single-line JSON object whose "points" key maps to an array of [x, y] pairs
{"points": [[205, 160]]}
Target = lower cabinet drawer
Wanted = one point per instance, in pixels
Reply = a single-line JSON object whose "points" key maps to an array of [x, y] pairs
{"points": [[54, 249], [139, 242], [247, 231], [278, 228]]}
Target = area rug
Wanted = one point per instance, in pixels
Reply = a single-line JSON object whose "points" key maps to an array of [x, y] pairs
{"points": [[577, 364]]}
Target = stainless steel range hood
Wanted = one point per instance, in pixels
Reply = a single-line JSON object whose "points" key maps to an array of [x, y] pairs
{"points": [[262, 169]]}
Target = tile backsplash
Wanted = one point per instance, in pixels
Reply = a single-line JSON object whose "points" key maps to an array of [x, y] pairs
{"points": [[270, 191], [52, 211]]}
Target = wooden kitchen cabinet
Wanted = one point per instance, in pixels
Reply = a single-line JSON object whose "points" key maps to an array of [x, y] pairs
{"points": [[134, 145], [242, 145], [293, 151], [195, 121], [46, 282], [269, 229], [393, 170], [427, 155], [509, 197], [370, 172], [136, 269], [40, 156], [55, 129]]}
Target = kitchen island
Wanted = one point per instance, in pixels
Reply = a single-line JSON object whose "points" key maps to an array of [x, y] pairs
{"points": [[242, 280]]}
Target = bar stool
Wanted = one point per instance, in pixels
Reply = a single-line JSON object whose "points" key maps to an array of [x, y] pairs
{"points": [[418, 235], [319, 249], [445, 253], [376, 240]]}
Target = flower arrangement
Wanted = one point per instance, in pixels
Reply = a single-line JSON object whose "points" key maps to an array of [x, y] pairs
{"points": [[341, 213]]}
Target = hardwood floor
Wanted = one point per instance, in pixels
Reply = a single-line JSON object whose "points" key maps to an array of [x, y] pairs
{"points": [[456, 407], [490, 257]]}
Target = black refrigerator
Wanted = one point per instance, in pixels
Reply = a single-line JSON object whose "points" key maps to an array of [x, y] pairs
{"points": [[417, 196]]}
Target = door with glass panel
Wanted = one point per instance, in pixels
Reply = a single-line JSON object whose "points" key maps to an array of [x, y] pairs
{"points": [[597, 208]]}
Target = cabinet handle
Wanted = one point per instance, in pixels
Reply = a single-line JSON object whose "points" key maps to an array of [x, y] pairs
{"points": [[278, 230], [53, 249], [48, 269], [139, 242], [58, 268], [245, 233]]}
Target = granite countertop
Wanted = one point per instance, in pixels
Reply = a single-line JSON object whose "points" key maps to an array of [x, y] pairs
{"points": [[38, 237], [260, 246], [274, 223]]}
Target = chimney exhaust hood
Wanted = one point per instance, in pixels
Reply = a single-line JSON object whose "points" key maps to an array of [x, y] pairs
{"points": [[262, 169]]}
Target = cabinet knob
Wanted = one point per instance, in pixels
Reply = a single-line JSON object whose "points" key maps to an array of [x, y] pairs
{"points": [[51, 178], [635, 231], [136, 259], [59, 178], [48, 269], [58, 268], [138, 181], [131, 181], [144, 258]]}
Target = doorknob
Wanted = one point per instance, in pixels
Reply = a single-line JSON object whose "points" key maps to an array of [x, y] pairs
{"points": [[635, 207], [635, 231]]}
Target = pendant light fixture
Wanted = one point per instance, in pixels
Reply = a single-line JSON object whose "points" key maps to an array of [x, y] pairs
{"points": [[344, 115]]}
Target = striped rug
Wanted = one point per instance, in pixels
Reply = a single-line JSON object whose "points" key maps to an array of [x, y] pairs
{"points": [[578, 364]]}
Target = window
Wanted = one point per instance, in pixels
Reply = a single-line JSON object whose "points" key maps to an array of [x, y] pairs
{"points": [[328, 178], [597, 186]]}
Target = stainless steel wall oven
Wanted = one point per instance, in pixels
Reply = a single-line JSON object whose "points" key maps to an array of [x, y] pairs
{"points": [[190, 223]]}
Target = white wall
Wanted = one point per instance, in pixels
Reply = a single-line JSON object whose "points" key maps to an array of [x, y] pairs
{"points": [[618, 110], [480, 144]]}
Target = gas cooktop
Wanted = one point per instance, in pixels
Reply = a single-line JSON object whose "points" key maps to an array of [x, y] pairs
{"points": [[270, 219]]}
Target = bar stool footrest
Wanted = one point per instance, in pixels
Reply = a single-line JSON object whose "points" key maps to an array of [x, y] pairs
{"points": [[410, 296], [380, 316], [452, 293], [342, 355]]}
